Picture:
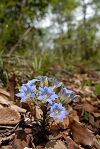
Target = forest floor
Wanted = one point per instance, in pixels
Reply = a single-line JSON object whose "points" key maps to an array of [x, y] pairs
{"points": [[79, 130]]}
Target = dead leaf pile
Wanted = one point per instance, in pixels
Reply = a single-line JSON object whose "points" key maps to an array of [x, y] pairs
{"points": [[79, 130]]}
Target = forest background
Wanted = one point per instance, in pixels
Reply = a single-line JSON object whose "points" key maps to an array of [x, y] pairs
{"points": [[43, 35]]}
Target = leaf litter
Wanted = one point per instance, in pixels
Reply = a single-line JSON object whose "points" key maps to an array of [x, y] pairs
{"points": [[75, 132]]}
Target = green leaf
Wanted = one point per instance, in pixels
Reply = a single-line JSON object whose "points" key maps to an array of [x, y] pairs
{"points": [[97, 89], [83, 84], [86, 82], [86, 115], [89, 82]]}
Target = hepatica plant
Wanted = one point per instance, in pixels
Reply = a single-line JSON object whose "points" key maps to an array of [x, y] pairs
{"points": [[48, 94]]}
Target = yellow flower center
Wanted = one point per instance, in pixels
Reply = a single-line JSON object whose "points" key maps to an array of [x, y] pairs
{"points": [[27, 95], [56, 112], [45, 97]]}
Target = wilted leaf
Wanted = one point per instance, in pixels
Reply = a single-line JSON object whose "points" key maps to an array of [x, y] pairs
{"points": [[6, 147], [93, 122], [55, 135], [1, 106], [88, 107], [12, 85], [22, 138], [29, 106], [82, 135], [9, 116], [3, 91], [6, 138], [65, 123], [40, 147], [53, 144], [4, 101], [71, 144], [38, 113], [55, 124], [19, 109]]}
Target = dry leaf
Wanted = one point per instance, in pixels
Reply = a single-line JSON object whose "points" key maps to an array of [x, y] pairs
{"points": [[55, 135], [65, 123], [71, 144], [1, 106], [89, 108], [40, 147], [4, 92], [29, 106], [54, 124], [4, 101], [8, 138], [82, 135], [97, 115], [12, 85], [22, 138], [53, 144], [17, 108], [9, 116], [93, 122], [38, 113], [6, 147]]}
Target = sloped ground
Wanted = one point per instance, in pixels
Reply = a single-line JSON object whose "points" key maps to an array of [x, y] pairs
{"points": [[79, 130]]}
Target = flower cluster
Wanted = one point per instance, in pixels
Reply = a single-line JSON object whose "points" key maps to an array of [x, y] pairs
{"points": [[49, 92]]}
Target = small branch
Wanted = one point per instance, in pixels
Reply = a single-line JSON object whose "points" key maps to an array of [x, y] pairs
{"points": [[3, 139], [14, 47]]}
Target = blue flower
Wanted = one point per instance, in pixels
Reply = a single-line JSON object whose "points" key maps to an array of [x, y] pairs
{"points": [[67, 95], [43, 80], [46, 94], [58, 111], [54, 82], [27, 92], [31, 82]]}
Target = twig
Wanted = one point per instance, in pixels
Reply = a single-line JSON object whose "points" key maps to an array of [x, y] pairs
{"points": [[7, 138], [14, 47], [8, 132]]}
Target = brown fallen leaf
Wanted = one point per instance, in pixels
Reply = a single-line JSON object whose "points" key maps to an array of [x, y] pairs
{"points": [[93, 122], [6, 147], [11, 85], [82, 135], [97, 115], [71, 144], [8, 138], [9, 116], [55, 124], [22, 138], [40, 147], [65, 123], [1, 106], [89, 108], [29, 106], [53, 144], [39, 112], [4, 92], [17, 108], [4, 101], [55, 135]]}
